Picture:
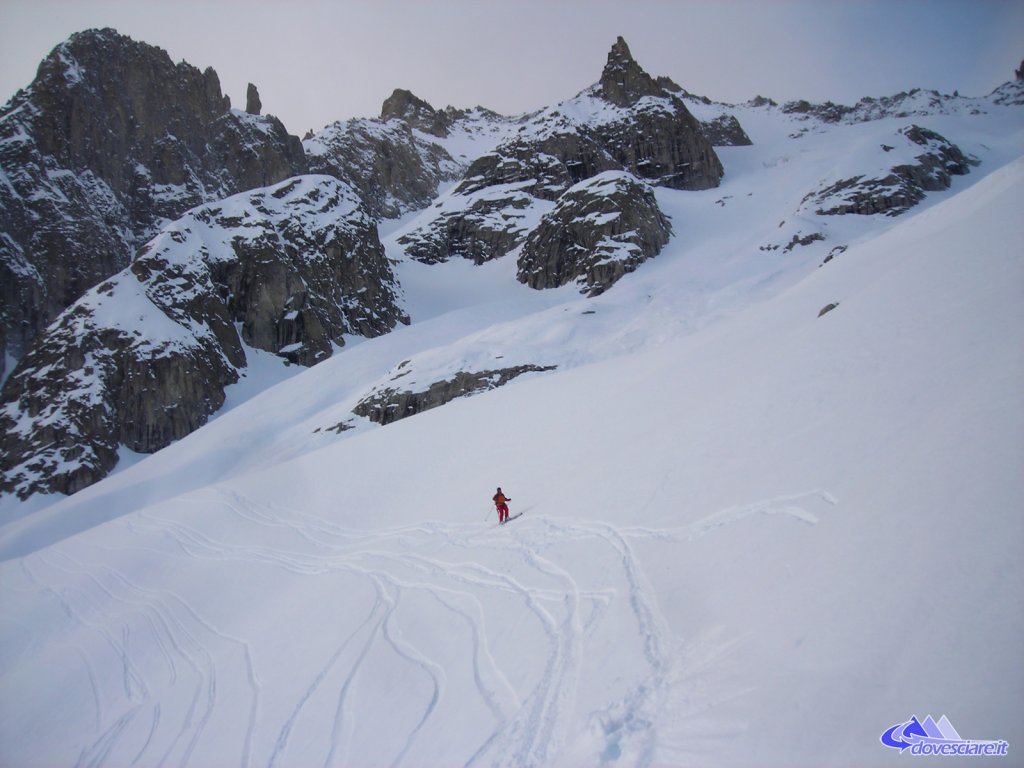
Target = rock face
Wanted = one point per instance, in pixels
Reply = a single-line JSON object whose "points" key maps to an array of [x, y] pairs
{"points": [[405, 106], [253, 105], [922, 161], [599, 230], [142, 359], [388, 405], [393, 170], [397, 162], [906, 104], [110, 141], [623, 82], [1009, 94], [626, 122], [725, 131]]}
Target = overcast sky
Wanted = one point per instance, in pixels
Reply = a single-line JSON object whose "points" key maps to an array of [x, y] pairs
{"points": [[316, 61]]}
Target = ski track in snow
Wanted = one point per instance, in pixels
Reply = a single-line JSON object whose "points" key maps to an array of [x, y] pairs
{"points": [[164, 710]]}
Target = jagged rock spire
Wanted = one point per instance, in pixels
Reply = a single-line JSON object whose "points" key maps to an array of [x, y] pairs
{"points": [[253, 105], [405, 105], [623, 81]]}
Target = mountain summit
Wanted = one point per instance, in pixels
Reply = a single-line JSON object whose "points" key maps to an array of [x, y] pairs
{"points": [[623, 81], [111, 141]]}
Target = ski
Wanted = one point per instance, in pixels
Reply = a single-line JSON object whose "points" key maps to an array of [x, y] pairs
{"points": [[511, 517]]}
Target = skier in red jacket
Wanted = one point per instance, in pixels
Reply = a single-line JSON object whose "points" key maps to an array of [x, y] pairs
{"points": [[500, 501]]}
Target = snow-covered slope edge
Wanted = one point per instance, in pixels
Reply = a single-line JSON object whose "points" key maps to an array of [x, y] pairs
{"points": [[766, 541]]}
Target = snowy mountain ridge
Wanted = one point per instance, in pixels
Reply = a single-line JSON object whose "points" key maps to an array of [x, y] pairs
{"points": [[512, 199]]}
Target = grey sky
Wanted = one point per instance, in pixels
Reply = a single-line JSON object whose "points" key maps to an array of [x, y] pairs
{"points": [[316, 61]]}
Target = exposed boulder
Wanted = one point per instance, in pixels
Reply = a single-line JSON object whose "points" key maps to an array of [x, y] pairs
{"points": [[828, 308], [598, 231], [796, 240], [921, 161], [110, 141], [387, 404], [142, 359]]}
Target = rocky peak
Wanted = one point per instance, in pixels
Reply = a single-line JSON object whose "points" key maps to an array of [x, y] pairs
{"points": [[253, 105], [623, 81], [404, 105], [111, 140], [139, 94]]}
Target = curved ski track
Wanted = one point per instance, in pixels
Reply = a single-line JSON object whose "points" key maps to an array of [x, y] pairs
{"points": [[500, 623]]}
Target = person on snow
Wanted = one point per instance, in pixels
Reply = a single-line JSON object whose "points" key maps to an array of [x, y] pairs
{"points": [[501, 502]]}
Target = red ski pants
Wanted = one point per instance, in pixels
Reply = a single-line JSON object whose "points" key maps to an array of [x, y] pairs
{"points": [[502, 513]]}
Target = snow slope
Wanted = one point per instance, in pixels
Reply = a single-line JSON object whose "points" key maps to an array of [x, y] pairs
{"points": [[751, 534]]}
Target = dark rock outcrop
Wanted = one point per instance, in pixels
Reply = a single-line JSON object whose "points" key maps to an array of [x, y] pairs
{"points": [[393, 170], [600, 230], [110, 141], [479, 228], [725, 131], [796, 240], [626, 122], [667, 148], [828, 308], [932, 162], [493, 208], [917, 102], [397, 162], [253, 105], [301, 265], [1010, 94], [827, 112], [415, 112], [543, 166], [623, 82], [388, 405], [142, 359]]}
